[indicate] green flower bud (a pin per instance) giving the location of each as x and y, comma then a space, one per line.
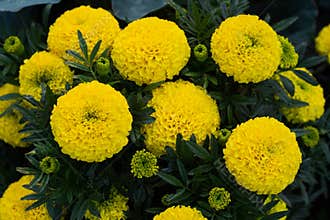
144, 164
49, 165
102, 66
223, 135
219, 198
311, 139
13, 45
289, 58
200, 52
164, 200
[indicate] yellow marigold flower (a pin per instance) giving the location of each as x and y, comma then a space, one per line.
180, 108
112, 209
263, 155
305, 92
94, 24
43, 67
150, 50
311, 139
246, 48
180, 213
91, 122
13, 208
289, 57
144, 164
13, 45
279, 207
219, 198
322, 42
9, 123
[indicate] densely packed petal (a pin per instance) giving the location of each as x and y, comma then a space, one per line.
91, 122
263, 155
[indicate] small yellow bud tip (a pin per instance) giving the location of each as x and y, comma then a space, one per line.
102, 66
13, 45
219, 198
223, 135
312, 138
49, 165
289, 58
144, 164
200, 52
164, 200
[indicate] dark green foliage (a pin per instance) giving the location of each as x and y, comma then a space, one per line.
190, 171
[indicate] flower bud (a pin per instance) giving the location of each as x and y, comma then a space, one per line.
49, 165
200, 52
14, 45
102, 66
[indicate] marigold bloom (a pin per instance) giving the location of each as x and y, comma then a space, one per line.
43, 67
246, 48
150, 50
13, 208
263, 155
180, 213
112, 209
144, 164
289, 58
322, 42
279, 207
219, 198
94, 24
305, 92
180, 108
311, 139
9, 123
91, 122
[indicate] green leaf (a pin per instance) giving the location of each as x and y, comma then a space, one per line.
170, 179
180, 196
16, 5
10, 96
288, 85
75, 55
270, 205
131, 9
79, 209
77, 66
201, 169
152, 86
306, 76
34, 196
312, 61
37, 204
182, 171
84, 78
26, 170
199, 151
82, 44
284, 24
325, 148
94, 51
